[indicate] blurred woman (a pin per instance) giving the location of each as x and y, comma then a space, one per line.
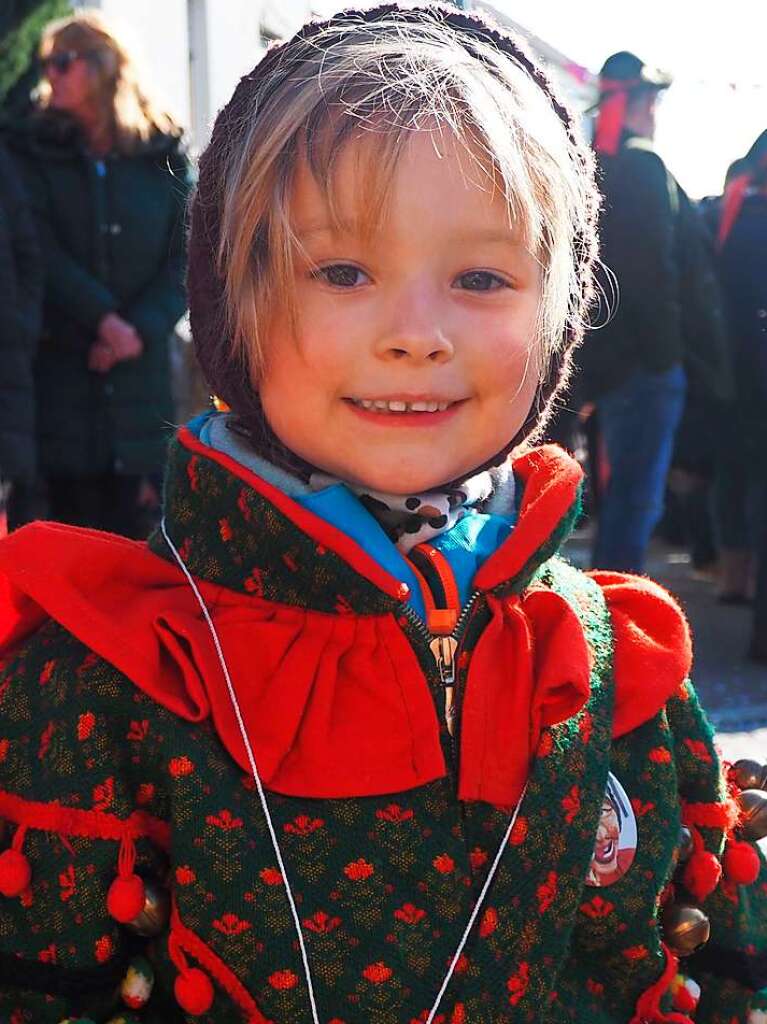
21, 284
108, 179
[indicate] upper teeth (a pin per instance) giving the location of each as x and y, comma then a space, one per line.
396, 406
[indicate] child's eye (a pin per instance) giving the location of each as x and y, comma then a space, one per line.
481, 281
341, 275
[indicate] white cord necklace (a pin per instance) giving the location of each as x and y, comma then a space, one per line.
273, 835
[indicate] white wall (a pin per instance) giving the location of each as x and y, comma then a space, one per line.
234, 29
233, 45
159, 30
230, 31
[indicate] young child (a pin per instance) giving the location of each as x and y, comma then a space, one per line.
347, 742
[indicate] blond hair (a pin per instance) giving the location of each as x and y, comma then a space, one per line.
125, 111
393, 78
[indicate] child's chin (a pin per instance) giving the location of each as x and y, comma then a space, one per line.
402, 482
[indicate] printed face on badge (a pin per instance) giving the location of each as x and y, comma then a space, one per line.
616, 839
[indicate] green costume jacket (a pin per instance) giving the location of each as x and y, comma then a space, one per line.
120, 758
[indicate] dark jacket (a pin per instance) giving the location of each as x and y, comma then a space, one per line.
743, 262
21, 285
666, 309
743, 266
112, 232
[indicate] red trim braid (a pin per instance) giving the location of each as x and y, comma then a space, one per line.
722, 815
648, 1009
71, 821
191, 943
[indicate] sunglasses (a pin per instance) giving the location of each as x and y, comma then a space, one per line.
61, 62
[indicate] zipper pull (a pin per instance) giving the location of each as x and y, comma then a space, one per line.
443, 648
441, 623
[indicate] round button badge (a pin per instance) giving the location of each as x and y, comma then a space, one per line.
616, 842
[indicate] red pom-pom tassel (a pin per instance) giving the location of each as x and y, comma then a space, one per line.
741, 863
194, 991
15, 869
702, 874
15, 872
126, 897
684, 1000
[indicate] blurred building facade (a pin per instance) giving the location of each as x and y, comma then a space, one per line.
195, 51
579, 85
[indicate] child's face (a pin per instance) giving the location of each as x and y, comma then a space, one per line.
434, 315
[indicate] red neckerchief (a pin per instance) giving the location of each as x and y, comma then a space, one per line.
337, 706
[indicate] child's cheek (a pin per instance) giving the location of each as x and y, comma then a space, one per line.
512, 363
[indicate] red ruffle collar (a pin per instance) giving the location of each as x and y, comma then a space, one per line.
337, 705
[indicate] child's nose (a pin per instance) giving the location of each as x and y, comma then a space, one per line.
415, 335
418, 349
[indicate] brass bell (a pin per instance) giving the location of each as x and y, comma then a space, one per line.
155, 914
749, 774
684, 844
685, 928
753, 814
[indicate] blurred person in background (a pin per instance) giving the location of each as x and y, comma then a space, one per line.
632, 368
108, 178
742, 484
689, 518
21, 286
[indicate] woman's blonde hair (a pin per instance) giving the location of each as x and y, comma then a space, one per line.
392, 78
125, 110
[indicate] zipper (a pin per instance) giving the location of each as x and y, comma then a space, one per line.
444, 628
444, 648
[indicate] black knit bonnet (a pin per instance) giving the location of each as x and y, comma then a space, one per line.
228, 377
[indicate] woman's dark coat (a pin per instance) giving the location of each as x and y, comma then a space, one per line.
21, 282
112, 234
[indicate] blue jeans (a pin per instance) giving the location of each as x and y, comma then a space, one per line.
638, 422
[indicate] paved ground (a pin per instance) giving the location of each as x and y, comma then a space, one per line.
733, 690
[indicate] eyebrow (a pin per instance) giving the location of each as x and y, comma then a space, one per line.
491, 236
326, 228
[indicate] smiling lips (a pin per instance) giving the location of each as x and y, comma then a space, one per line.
398, 406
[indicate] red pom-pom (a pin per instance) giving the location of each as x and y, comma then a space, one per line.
126, 897
741, 863
684, 1000
194, 991
702, 874
15, 872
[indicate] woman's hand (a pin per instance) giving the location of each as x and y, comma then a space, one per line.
121, 337
101, 357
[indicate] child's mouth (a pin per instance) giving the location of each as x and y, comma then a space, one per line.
398, 406
401, 412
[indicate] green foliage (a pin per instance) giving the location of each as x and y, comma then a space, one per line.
21, 24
